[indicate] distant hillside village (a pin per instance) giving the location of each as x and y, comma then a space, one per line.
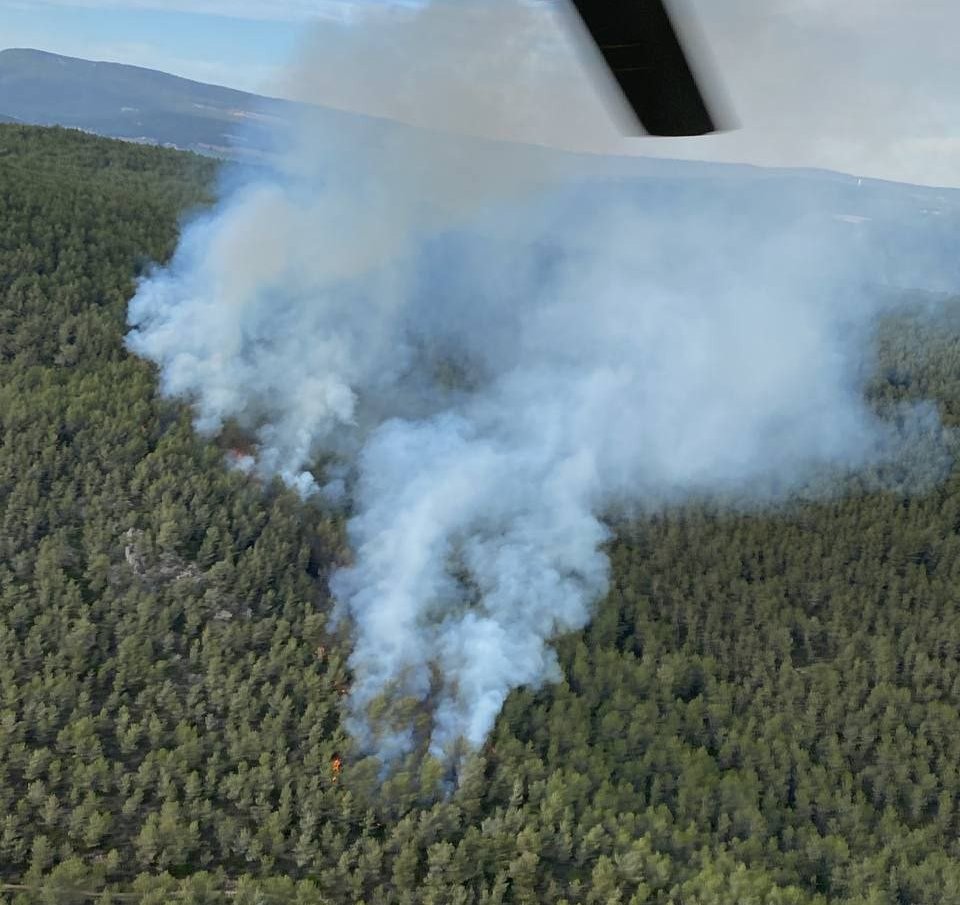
138, 105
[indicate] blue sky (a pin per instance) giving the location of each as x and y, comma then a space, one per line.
240, 44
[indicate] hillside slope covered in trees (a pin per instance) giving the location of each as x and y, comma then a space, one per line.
765, 709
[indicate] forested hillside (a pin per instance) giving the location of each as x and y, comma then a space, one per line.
765, 709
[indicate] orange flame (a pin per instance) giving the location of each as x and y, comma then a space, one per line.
336, 765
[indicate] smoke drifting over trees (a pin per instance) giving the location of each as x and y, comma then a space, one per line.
491, 346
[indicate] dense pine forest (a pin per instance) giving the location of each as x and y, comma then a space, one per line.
765, 709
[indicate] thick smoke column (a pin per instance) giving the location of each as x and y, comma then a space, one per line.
498, 344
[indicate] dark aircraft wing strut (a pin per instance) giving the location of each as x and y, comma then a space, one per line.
642, 50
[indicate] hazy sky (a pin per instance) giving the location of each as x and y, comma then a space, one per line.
866, 86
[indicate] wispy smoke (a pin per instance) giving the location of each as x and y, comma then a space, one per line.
494, 345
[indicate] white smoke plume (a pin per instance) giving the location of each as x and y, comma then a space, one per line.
495, 345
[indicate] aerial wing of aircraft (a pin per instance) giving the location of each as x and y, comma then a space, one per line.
641, 47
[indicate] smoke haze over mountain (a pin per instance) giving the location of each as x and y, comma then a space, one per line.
494, 346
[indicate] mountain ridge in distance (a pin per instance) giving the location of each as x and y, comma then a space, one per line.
118, 100
134, 103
